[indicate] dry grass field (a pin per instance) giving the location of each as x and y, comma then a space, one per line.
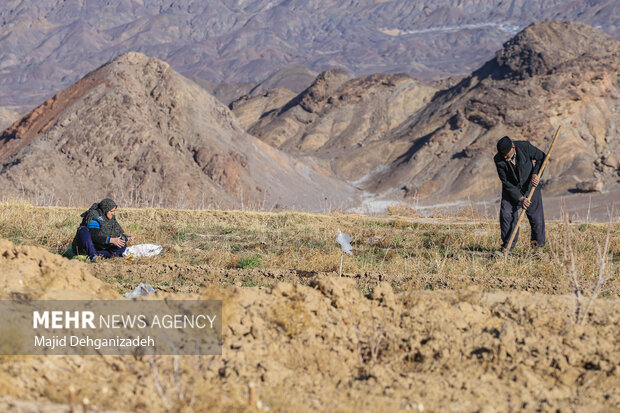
424, 317
251, 249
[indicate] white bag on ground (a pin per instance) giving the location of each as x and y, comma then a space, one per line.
143, 250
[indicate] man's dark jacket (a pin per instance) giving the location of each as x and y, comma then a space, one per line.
516, 181
108, 228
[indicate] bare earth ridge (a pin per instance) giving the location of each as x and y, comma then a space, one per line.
137, 131
438, 350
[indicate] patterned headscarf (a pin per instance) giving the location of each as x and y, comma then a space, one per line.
107, 205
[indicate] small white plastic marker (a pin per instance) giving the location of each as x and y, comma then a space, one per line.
252, 395
345, 243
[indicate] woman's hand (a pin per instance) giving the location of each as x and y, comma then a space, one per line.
117, 242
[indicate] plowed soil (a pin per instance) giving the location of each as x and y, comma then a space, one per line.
316, 342
185, 278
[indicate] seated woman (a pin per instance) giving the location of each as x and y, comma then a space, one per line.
99, 234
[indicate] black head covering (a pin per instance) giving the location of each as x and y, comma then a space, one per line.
107, 205
504, 145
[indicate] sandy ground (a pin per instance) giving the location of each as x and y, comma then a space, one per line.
318, 343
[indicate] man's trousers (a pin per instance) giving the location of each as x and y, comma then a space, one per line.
509, 215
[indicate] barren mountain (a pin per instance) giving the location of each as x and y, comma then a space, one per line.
335, 117
294, 78
138, 131
249, 109
225, 92
7, 117
46, 45
395, 136
550, 74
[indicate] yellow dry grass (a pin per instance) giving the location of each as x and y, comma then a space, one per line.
458, 250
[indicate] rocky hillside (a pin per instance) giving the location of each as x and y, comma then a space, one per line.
550, 74
141, 133
7, 117
336, 118
312, 341
394, 136
294, 78
47, 45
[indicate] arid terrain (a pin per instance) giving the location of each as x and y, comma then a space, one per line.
398, 138
47, 45
424, 317
140, 132
242, 136
137, 131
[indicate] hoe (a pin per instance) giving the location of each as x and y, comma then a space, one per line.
529, 197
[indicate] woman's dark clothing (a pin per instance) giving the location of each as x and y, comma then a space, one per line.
85, 244
93, 235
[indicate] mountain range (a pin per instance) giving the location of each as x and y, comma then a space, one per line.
47, 45
394, 136
135, 128
137, 131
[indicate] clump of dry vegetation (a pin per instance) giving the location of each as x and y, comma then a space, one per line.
567, 259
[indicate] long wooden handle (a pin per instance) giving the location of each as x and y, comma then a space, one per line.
529, 197
544, 165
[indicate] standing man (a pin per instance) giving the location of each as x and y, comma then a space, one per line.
517, 165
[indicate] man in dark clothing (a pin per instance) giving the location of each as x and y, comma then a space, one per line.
99, 234
518, 163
